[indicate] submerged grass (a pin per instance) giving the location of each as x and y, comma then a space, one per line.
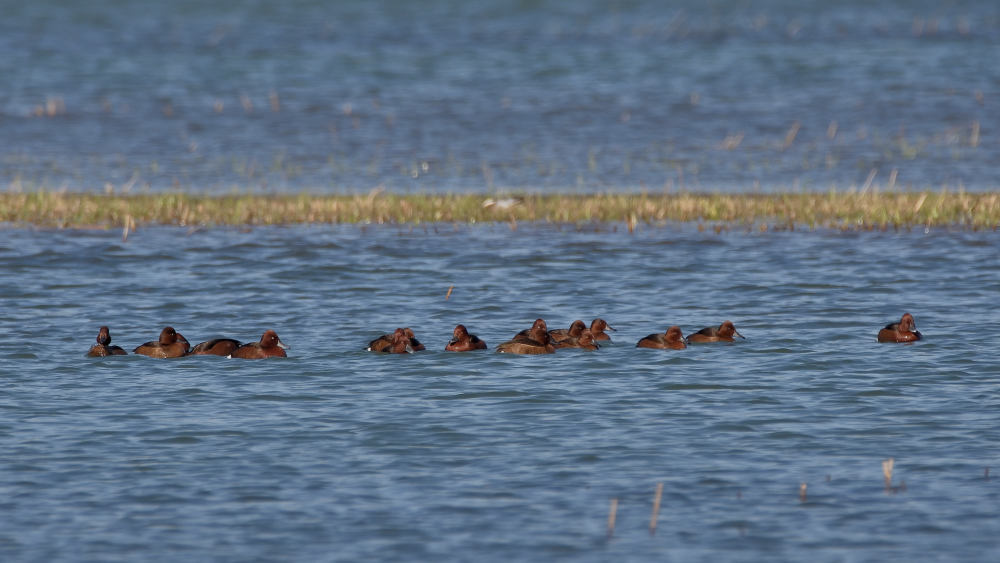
849, 211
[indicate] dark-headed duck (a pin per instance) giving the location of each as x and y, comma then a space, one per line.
462, 341
585, 341
903, 331
170, 345
383, 342
598, 326
104, 347
270, 346
724, 333
217, 347
537, 342
671, 340
575, 330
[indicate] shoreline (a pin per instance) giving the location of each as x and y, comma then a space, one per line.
841, 211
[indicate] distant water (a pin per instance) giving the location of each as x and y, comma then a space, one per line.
339, 454
447, 96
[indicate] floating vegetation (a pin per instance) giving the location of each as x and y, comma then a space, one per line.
843, 211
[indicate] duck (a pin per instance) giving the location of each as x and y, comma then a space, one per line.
538, 342
400, 343
171, 344
538, 324
216, 347
462, 341
382, 342
903, 331
673, 339
575, 330
103, 347
270, 346
724, 333
598, 326
585, 342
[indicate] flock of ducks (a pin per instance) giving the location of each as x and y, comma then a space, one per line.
536, 340
172, 344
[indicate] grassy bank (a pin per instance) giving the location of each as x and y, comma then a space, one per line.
824, 210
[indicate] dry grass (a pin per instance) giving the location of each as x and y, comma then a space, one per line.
849, 211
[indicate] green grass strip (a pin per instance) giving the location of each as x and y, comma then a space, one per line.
849, 211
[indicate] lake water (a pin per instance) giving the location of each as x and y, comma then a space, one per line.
540, 96
339, 454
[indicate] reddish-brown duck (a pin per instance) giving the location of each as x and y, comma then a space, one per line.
724, 333
671, 340
216, 347
104, 347
538, 342
462, 341
575, 330
270, 346
598, 326
585, 341
170, 345
903, 331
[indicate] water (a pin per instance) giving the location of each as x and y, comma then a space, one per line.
339, 454
442, 96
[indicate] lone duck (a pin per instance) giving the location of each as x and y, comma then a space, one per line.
903, 331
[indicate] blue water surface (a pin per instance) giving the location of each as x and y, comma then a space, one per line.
335, 453
440, 96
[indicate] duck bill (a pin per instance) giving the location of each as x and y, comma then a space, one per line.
284, 346
738, 334
612, 329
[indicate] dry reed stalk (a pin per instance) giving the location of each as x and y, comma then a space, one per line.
868, 182
974, 138
656, 508
792, 132
447, 295
802, 492
887, 473
612, 512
